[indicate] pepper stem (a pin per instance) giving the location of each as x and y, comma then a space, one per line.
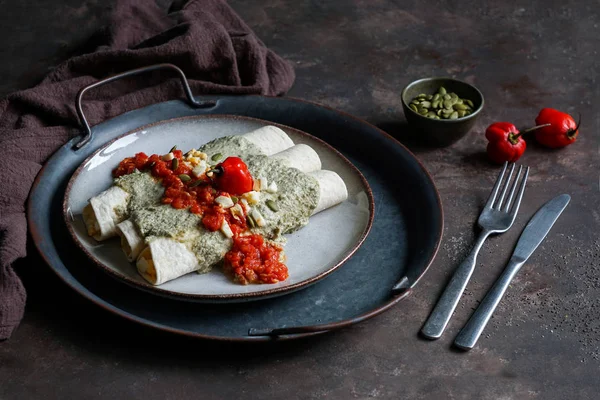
518, 135
216, 170
571, 132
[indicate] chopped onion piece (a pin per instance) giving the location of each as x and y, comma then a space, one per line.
252, 197
226, 229
272, 187
224, 201
258, 218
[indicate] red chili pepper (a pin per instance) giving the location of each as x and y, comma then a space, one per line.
232, 176
506, 142
562, 129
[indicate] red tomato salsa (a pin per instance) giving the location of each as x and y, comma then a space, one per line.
251, 259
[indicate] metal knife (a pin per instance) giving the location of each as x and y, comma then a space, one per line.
533, 234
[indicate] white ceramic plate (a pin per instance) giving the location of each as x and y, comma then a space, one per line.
313, 252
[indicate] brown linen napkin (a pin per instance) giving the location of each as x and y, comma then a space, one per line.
205, 38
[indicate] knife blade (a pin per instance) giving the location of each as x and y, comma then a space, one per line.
534, 233
539, 226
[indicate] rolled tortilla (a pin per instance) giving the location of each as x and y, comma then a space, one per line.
269, 139
300, 156
104, 212
132, 241
165, 259
332, 190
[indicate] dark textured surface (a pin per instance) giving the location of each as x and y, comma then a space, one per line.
544, 340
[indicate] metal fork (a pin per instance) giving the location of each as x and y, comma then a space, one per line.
496, 217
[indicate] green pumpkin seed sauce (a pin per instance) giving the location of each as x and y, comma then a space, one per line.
143, 188
164, 220
296, 197
209, 248
219, 149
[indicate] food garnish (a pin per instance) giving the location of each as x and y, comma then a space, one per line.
232, 176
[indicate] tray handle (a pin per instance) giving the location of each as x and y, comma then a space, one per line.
184, 82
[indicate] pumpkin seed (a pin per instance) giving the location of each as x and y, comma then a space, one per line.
196, 183
175, 164
234, 199
272, 205
217, 157
250, 221
173, 149
185, 178
441, 105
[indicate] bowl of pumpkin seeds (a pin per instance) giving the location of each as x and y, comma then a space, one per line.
441, 110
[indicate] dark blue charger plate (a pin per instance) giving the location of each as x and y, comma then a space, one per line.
404, 239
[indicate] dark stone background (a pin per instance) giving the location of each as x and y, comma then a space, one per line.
543, 342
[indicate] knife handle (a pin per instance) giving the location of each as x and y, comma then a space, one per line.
469, 334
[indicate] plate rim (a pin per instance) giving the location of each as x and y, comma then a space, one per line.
57, 265
220, 298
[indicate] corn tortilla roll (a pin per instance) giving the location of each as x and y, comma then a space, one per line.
269, 139
301, 157
132, 241
104, 212
165, 259
332, 189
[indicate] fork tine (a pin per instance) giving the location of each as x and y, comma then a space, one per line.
506, 185
492, 197
517, 203
510, 198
